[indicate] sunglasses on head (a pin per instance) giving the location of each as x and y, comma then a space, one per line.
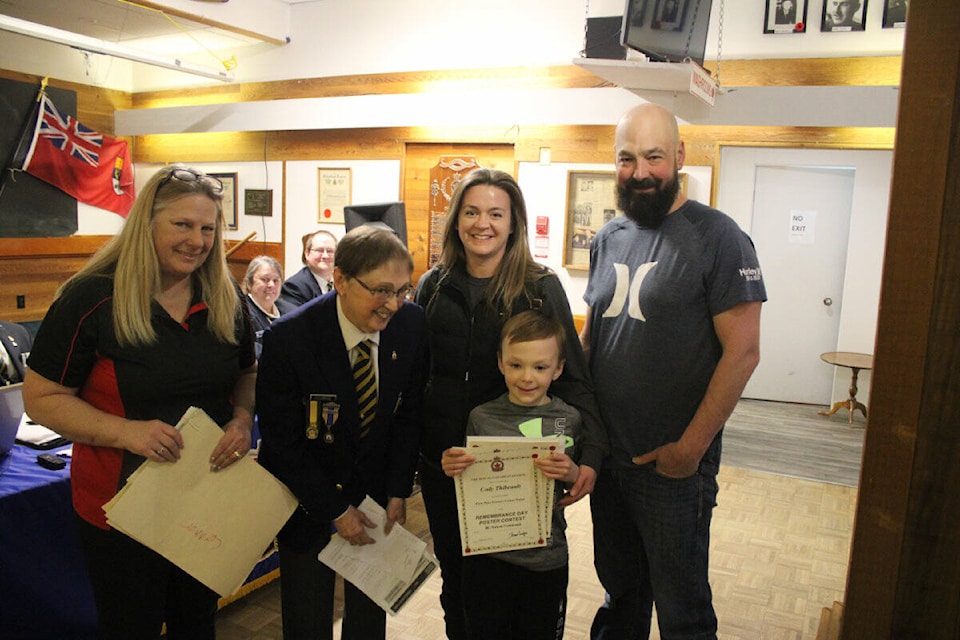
191, 175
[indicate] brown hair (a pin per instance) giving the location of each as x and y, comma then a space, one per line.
528, 326
366, 247
517, 267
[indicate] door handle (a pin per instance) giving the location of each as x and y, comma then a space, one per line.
827, 301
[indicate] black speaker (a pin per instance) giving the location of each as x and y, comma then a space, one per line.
603, 38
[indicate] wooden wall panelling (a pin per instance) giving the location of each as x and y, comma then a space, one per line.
866, 71
419, 158
35, 268
241, 257
561, 77
903, 579
95, 105
576, 143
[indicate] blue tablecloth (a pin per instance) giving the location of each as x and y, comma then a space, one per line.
44, 589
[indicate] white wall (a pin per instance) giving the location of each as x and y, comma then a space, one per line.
372, 181
344, 37
866, 240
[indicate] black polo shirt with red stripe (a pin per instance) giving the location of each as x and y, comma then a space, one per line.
76, 347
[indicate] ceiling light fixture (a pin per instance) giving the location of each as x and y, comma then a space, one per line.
94, 45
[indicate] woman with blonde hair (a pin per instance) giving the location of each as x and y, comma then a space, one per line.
484, 276
152, 325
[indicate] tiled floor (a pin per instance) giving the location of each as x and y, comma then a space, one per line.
779, 551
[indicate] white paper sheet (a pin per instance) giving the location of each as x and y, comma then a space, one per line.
388, 571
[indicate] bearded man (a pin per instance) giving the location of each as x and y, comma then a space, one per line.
672, 334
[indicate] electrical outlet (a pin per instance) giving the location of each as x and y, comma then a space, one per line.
21, 301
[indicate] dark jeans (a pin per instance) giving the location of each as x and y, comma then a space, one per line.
306, 600
651, 545
440, 500
509, 602
136, 590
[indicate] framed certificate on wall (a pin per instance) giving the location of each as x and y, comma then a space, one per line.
333, 194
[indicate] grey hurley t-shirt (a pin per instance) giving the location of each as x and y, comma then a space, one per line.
653, 294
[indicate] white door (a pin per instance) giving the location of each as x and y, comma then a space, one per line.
800, 225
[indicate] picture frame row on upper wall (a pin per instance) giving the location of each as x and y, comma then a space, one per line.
790, 16
591, 203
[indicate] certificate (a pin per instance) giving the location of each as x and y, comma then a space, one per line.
503, 501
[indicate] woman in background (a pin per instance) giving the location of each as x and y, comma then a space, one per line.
484, 276
152, 325
262, 284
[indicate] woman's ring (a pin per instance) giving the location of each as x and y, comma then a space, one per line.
236, 454
160, 451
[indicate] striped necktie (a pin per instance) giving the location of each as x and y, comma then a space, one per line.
366, 383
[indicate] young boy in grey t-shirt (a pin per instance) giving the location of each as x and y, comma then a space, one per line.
523, 593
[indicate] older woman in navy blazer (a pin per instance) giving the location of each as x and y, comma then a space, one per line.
310, 423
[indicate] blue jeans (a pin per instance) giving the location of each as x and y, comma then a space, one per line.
651, 545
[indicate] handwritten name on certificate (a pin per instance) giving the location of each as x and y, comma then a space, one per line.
503, 501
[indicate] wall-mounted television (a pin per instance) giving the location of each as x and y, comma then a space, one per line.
667, 30
386, 215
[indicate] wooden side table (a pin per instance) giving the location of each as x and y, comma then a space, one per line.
855, 362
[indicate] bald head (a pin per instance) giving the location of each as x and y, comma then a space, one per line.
649, 157
650, 121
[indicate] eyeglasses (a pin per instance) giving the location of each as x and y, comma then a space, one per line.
322, 250
191, 175
383, 294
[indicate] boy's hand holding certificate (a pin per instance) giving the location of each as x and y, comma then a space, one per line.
503, 500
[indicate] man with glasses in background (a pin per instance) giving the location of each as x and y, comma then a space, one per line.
316, 277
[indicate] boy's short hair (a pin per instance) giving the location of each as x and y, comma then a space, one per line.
528, 326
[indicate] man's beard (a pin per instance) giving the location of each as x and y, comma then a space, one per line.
648, 209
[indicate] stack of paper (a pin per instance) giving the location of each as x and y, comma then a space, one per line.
38, 436
388, 571
212, 524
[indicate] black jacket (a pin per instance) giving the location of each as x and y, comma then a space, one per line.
304, 354
463, 361
300, 288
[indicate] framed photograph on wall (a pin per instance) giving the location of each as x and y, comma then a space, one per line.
668, 15
895, 14
638, 13
334, 193
591, 203
229, 181
785, 16
258, 202
843, 15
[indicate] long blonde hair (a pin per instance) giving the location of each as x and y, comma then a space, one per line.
130, 259
517, 267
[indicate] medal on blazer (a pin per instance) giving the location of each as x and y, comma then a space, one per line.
322, 407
